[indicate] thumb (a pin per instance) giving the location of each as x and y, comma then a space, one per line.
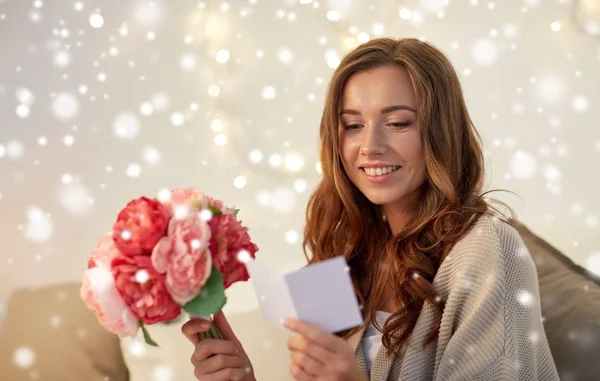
224, 327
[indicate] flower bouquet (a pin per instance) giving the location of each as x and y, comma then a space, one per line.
179, 251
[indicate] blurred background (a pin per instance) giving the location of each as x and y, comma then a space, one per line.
104, 101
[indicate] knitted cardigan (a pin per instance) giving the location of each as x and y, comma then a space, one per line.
491, 326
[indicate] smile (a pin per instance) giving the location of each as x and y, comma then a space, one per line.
380, 171
380, 175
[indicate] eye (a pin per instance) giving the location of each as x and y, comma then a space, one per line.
399, 125
352, 126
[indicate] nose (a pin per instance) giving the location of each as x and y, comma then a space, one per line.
374, 142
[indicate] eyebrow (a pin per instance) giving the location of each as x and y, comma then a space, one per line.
384, 110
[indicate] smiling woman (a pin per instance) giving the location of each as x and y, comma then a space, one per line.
438, 271
449, 291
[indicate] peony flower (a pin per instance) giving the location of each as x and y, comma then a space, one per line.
229, 237
104, 252
140, 225
184, 256
100, 294
186, 197
143, 289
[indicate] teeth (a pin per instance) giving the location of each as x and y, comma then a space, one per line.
379, 171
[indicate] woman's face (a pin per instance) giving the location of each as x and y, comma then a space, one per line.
380, 142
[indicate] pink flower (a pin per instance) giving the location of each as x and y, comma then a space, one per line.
183, 255
229, 237
140, 225
100, 294
184, 197
207, 200
143, 289
104, 253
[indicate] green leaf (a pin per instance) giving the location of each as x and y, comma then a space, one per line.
215, 211
235, 212
211, 298
147, 337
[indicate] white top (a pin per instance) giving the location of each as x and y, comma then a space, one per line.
371, 340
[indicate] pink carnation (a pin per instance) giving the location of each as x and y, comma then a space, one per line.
100, 294
183, 255
229, 237
143, 289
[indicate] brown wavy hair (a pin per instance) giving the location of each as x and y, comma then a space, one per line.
340, 220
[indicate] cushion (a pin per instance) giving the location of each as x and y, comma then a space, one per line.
570, 298
49, 334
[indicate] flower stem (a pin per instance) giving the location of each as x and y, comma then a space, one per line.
217, 334
212, 333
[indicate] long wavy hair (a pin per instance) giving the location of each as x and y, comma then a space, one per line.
340, 220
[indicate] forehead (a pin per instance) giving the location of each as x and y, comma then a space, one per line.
379, 87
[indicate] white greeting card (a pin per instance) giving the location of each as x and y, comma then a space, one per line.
321, 294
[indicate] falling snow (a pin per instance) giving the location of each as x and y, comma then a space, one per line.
65, 106
484, 52
525, 298
523, 165
24, 357
100, 105
269, 92
162, 373
126, 126
592, 263
75, 198
39, 226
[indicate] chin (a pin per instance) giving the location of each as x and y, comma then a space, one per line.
381, 199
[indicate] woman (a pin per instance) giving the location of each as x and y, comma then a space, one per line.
449, 292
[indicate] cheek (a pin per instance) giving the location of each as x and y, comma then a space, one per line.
347, 151
412, 152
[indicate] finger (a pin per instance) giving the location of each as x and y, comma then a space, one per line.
229, 374
298, 343
217, 363
308, 364
193, 327
208, 347
224, 327
313, 333
299, 374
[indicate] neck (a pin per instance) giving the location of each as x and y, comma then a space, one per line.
397, 218
398, 214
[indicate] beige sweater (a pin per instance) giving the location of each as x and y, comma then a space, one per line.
491, 326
